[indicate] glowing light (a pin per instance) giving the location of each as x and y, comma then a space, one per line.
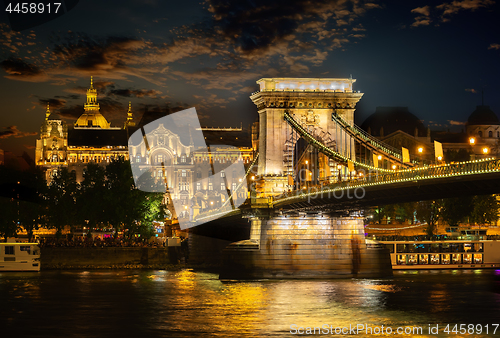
485, 150
420, 150
307, 161
440, 158
472, 140
253, 178
393, 167
379, 157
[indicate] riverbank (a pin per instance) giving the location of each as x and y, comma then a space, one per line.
62, 258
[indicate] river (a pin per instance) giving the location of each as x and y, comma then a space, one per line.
139, 303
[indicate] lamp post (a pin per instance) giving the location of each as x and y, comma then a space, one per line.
472, 142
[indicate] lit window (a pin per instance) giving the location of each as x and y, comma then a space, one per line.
198, 186
183, 159
138, 158
233, 186
222, 174
210, 186
183, 173
222, 186
159, 173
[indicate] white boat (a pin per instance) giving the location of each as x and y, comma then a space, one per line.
444, 254
19, 256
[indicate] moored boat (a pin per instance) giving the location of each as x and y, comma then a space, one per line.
444, 254
19, 256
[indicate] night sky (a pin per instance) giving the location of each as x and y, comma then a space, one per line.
167, 55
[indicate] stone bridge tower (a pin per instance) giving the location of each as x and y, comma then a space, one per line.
310, 102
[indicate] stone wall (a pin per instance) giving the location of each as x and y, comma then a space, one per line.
310, 246
108, 257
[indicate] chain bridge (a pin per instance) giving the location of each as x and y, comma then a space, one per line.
315, 171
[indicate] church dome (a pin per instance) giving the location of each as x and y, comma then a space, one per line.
93, 120
387, 120
483, 115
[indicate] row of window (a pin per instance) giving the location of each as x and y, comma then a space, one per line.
490, 133
439, 259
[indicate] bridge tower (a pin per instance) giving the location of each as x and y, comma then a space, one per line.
311, 102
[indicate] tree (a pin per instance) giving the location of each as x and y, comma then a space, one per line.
61, 200
428, 211
456, 210
129, 208
91, 199
485, 209
9, 217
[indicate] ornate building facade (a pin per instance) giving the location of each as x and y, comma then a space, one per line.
92, 139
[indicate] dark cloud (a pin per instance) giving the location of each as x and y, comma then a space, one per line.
12, 131
71, 113
68, 97
96, 55
18, 69
54, 103
135, 92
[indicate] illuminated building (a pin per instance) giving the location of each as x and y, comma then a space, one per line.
92, 139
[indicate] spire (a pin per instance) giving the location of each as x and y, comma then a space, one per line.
130, 116
91, 94
47, 112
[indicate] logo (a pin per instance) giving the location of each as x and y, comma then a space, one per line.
202, 182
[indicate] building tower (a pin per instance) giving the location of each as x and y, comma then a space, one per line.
92, 118
130, 116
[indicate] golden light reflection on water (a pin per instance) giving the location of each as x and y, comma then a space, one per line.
260, 308
188, 303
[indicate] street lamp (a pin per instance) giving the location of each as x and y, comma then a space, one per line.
485, 150
420, 150
472, 141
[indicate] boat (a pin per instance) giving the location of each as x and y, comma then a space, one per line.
464, 249
19, 256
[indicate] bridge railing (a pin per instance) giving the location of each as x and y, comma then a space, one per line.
324, 149
421, 173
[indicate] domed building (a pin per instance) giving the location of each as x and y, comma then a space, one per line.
398, 127
483, 123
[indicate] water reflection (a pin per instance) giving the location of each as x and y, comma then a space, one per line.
186, 303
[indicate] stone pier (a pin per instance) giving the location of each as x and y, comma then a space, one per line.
305, 246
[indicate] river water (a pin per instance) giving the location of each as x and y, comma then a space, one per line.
138, 303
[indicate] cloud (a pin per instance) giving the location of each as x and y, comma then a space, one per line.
54, 103
494, 46
444, 11
457, 6
456, 123
20, 70
472, 90
135, 93
12, 131
421, 21
422, 10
